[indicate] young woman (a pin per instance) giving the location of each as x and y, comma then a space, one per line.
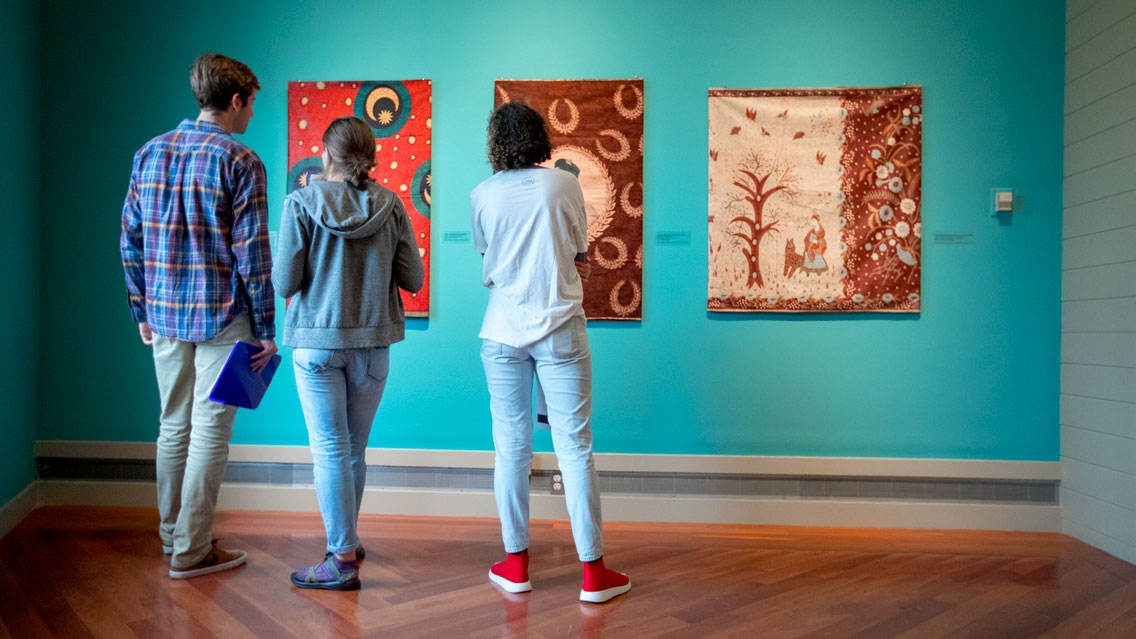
346, 248
529, 224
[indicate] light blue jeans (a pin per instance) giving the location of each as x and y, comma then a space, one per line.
563, 363
340, 391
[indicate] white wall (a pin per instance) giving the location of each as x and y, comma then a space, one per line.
1098, 344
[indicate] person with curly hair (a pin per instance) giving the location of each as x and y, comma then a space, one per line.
530, 226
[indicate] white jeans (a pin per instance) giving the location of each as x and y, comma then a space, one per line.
563, 363
193, 439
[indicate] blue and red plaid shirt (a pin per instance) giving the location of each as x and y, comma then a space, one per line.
195, 235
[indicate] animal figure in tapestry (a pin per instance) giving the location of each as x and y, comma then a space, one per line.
793, 259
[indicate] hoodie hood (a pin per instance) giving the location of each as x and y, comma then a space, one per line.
345, 210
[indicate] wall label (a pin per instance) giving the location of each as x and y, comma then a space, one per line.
673, 238
953, 238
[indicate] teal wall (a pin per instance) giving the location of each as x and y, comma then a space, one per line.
19, 246
975, 376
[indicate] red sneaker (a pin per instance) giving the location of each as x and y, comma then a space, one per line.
513, 573
601, 584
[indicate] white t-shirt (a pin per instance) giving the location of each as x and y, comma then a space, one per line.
529, 224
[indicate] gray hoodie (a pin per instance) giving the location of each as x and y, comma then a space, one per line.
343, 254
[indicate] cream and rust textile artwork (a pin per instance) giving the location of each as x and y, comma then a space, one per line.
596, 129
814, 201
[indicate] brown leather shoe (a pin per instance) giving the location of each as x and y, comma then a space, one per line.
217, 560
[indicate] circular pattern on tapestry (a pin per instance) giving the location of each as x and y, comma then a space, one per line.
629, 113
385, 106
563, 126
420, 189
612, 263
304, 172
595, 182
621, 309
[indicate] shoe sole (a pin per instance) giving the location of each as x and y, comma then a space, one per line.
207, 570
327, 585
601, 596
510, 586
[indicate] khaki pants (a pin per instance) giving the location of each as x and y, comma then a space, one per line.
193, 440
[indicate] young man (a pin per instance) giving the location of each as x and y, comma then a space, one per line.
529, 224
198, 273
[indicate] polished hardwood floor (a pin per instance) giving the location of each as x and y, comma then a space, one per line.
99, 572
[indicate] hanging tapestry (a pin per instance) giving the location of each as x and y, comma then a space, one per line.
814, 200
399, 114
596, 129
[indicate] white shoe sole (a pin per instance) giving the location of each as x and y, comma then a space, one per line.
510, 586
601, 596
232, 563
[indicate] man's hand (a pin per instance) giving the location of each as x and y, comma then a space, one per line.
144, 332
585, 271
260, 360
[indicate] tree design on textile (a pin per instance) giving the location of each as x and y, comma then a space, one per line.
776, 176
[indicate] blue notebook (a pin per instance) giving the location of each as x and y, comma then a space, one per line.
237, 384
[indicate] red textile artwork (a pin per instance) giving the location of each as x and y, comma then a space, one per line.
596, 128
815, 200
399, 112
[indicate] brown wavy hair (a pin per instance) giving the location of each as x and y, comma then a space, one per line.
518, 137
215, 78
351, 145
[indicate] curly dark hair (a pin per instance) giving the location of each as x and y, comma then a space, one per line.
518, 137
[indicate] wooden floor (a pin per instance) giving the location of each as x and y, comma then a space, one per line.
99, 572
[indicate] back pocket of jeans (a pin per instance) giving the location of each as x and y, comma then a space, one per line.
312, 360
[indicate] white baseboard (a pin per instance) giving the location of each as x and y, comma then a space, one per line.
13, 512
455, 503
978, 469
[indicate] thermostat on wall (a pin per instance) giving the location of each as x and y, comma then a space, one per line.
1003, 201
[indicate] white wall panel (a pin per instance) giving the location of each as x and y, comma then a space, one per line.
1107, 146
1092, 118
1087, 25
1098, 249
1109, 179
1099, 282
1114, 41
1116, 417
1112, 76
1102, 349
1101, 382
1106, 214
1105, 455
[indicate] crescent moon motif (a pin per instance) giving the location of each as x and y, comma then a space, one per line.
625, 200
573, 119
621, 254
623, 310
379, 94
624, 151
633, 112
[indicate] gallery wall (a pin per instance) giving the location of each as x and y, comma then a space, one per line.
19, 247
974, 376
1098, 353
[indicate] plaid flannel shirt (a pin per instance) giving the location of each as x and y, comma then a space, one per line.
195, 235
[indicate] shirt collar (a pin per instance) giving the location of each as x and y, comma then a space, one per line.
204, 126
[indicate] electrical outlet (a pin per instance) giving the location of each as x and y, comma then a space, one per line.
556, 483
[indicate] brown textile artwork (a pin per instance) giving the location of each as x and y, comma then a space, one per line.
815, 201
596, 127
